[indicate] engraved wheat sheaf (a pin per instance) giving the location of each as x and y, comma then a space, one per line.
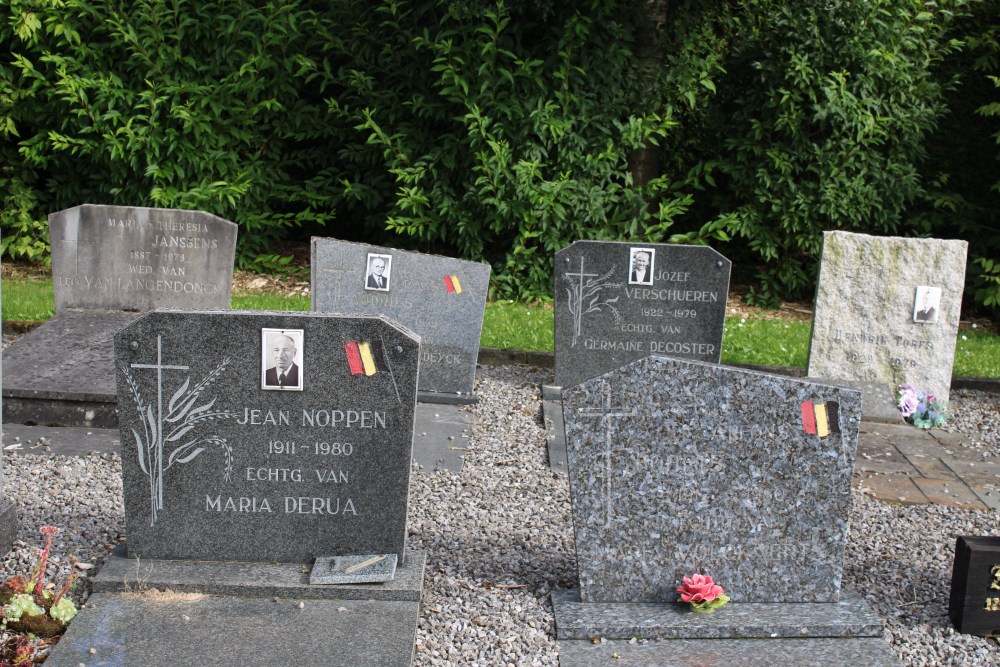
171, 438
585, 297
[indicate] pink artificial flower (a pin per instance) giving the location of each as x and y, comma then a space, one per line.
699, 588
908, 404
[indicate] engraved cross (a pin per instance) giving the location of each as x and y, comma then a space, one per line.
606, 412
579, 306
159, 376
74, 251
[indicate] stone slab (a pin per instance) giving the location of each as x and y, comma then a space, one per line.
711, 471
988, 497
8, 524
134, 258
869, 652
930, 467
880, 456
219, 462
975, 472
850, 617
441, 436
420, 294
121, 573
8, 511
374, 569
900, 490
953, 493
605, 317
64, 441
867, 325
555, 434
181, 631
63, 372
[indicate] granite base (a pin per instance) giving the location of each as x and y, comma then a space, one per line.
851, 617
179, 630
832, 634
122, 574
441, 436
159, 613
819, 652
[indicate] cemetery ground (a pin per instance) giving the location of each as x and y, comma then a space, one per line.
498, 532
499, 535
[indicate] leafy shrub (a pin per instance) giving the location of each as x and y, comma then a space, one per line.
823, 121
201, 105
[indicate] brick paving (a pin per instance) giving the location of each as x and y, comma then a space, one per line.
899, 463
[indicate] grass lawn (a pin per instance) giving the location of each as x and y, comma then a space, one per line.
508, 325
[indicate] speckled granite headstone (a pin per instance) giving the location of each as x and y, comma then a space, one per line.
133, 258
608, 312
440, 298
870, 325
678, 467
221, 460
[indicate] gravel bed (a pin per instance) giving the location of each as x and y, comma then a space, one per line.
499, 537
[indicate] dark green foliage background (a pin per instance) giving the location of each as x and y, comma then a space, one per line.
504, 132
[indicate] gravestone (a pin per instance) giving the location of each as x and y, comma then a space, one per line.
608, 314
618, 302
440, 298
679, 467
109, 264
265, 468
871, 329
133, 258
220, 464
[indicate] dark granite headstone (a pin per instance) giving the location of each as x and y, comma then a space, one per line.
678, 467
133, 258
974, 605
221, 460
440, 298
608, 313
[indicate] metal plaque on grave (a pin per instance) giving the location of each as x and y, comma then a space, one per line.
442, 299
134, 258
617, 302
265, 436
679, 467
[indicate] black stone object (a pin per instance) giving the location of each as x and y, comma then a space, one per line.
606, 317
216, 467
974, 606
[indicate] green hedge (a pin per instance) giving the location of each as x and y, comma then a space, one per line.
496, 132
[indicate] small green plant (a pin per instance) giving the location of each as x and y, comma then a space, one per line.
30, 607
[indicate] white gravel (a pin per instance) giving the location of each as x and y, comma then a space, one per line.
499, 537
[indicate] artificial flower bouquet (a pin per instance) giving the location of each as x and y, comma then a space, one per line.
919, 408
